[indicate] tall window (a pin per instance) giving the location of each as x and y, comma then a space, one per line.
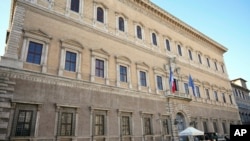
143, 79
179, 50
147, 126
230, 97
208, 63
70, 61
74, 6
34, 53
205, 126
186, 88
224, 127
167, 45
99, 68
199, 57
216, 96
215, 127
190, 54
66, 124
23, 127
207, 93
125, 125
154, 39
197, 88
159, 83
223, 97
99, 125
222, 68
100, 15
215, 65
165, 127
121, 24
123, 74
139, 32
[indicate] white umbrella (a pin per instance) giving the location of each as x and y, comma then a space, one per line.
191, 131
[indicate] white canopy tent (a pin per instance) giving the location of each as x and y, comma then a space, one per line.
191, 131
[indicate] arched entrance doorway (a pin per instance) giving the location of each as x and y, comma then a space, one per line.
181, 125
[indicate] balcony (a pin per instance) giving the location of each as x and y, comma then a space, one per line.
178, 95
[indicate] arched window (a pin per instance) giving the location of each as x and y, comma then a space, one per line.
154, 40
100, 15
121, 24
167, 45
139, 32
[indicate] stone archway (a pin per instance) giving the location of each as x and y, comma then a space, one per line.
181, 125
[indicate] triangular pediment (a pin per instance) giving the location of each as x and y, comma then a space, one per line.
123, 58
100, 51
72, 43
142, 64
38, 32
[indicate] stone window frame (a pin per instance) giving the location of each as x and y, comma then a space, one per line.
190, 54
169, 42
199, 58
70, 12
126, 62
168, 119
179, 47
69, 109
74, 47
142, 31
142, 66
125, 19
99, 54
40, 37
163, 74
105, 13
215, 125
206, 122
30, 106
151, 117
154, 32
100, 111
129, 114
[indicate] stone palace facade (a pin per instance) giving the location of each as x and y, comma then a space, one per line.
94, 70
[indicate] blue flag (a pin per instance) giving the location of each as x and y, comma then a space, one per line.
191, 84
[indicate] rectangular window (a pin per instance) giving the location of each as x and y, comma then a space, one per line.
66, 124
24, 120
70, 61
215, 65
199, 57
197, 88
222, 68
223, 97
165, 126
74, 6
207, 93
186, 88
159, 83
176, 84
216, 96
34, 53
99, 125
208, 63
205, 126
143, 79
190, 54
215, 127
99, 68
147, 126
167, 45
123, 74
179, 50
230, 97
224, 127
125, 125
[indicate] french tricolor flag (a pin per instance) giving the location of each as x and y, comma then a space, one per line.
171, 81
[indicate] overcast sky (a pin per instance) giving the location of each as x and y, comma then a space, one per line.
225, 21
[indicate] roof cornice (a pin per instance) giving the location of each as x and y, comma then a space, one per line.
164, 15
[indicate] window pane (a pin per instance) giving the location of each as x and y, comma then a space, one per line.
99, 68
123, 74
147, 126
74, 5
70, 61
125, 125
154, 39
99, 125
190, 55
66, 124
159, 83
34, 53
143, 78
100, 15
167, 45
121, 24
179, 50
139, 32
24, 123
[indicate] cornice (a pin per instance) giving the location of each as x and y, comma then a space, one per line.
176, 24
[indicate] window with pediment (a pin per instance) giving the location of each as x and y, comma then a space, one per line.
35, 48
123, 71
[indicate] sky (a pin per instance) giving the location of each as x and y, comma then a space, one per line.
225, 21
